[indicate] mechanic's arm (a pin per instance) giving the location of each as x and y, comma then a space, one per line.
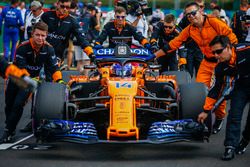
218, 82
155, 34
81, 38
223, 29
98, 22
104, 34
52, 66
135, 23
20, 60
182, 52
174, 44
6, 70
20, 19
138, 36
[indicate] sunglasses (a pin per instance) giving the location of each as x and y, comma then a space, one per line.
193, 13
218, 51
64, 7
169, 27
120, 17
35, 10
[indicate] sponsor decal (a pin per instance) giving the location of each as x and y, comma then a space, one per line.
111, 51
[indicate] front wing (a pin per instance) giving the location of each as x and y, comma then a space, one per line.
86, 133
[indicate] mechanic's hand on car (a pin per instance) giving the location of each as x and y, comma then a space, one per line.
154, 47
202, 117
98, 46
62, 82
92, 57
148, 46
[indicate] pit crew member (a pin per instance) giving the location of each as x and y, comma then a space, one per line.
163, 32
61, 25
202, 29
12, 23
31, 55
120, 28
233, 61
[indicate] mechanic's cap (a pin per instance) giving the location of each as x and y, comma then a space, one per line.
36, 4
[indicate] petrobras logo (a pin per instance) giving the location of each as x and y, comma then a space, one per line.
111, 51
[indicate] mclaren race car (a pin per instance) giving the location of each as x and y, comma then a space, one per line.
123, 99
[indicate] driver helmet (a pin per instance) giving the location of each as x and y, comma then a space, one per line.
117, 70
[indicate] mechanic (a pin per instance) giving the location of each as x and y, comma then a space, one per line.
7, 69
31, 55
237, 22
120, 28
194, 53
232, 61
61, 25
12, 23
202, 30
163, 32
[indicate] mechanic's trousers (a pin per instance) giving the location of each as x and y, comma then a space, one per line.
240, 98
15, 99
194, 58
11, 33
205, 73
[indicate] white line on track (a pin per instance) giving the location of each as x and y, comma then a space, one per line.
8, 145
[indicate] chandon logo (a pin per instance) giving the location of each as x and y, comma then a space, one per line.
111, 51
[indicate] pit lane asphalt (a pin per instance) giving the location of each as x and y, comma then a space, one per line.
28, 153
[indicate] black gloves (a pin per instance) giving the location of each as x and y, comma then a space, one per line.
92, 57
154, 47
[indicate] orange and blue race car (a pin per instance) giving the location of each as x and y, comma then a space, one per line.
123, 99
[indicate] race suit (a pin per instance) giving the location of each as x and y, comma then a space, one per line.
110, 30
12, 22
169, 62
237, 67
27, 57
194, 54
211, 28
60, 30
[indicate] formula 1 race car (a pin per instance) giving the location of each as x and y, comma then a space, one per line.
122, 99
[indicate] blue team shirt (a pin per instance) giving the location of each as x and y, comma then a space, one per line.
11, 17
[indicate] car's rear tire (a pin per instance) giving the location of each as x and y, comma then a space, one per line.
182, 77
192, 99
49, 103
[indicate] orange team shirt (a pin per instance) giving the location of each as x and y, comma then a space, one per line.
211, 28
